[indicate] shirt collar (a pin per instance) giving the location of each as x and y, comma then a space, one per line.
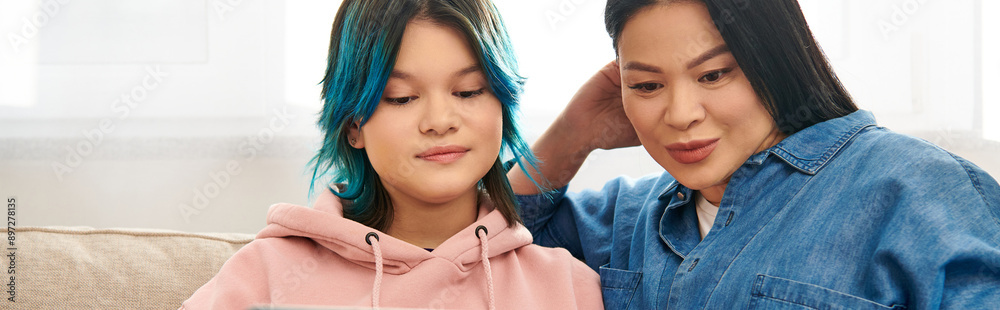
670, 193
811, 148
807, 150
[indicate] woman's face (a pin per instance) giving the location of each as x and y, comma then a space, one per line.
437, 130
692, 108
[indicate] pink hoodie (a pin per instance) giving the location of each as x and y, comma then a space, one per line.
317, 257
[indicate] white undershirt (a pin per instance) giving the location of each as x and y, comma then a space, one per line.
706, 214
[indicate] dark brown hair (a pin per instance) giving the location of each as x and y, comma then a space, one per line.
774, 47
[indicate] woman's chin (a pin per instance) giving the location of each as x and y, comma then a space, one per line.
696, 181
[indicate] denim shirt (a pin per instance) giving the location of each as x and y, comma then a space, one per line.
841, 215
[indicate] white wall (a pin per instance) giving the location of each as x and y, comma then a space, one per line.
125, 114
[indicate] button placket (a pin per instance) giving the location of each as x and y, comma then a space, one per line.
694, 263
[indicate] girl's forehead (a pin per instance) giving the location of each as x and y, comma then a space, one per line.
432, 51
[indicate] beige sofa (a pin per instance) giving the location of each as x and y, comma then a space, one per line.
86, 268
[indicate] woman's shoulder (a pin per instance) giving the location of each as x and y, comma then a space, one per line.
907, 154
918, 168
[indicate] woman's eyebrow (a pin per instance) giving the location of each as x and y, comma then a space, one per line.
638, 66
715, 51
712, 53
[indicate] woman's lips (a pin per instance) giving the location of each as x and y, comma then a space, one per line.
692, 152
443, 154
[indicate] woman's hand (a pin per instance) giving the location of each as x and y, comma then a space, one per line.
593, 119
596, 113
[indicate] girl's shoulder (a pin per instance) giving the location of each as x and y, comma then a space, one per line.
275, 252
552, 260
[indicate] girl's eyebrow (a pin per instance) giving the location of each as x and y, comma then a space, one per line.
397, 74
470, 69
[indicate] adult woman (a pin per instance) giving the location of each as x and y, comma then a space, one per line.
779, 193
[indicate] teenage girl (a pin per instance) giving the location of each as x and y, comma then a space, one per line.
420, 97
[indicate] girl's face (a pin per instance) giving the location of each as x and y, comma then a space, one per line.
437, 130
692, 108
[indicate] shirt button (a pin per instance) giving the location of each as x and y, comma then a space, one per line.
680, 195
694, 263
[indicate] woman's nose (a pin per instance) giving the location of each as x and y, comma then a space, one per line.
684, 108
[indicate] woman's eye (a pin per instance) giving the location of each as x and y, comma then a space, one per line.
713, 76
469, 93
400, 100
646, 87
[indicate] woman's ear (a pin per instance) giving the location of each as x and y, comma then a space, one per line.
355, 137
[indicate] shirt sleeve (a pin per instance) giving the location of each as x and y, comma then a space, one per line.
584, 223
947, 239
972, 274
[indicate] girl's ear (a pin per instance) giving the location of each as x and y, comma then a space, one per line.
355, 137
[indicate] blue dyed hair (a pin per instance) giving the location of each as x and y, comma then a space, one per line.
363, 46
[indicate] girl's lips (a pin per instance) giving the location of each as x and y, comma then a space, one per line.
692, 152
443, 154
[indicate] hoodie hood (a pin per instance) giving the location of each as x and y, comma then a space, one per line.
314, 256
326, 225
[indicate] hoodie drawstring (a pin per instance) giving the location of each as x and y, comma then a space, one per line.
483, 244
377, 286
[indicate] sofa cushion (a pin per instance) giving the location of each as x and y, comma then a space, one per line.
86, 268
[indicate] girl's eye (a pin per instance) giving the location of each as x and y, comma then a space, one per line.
713, 76
646, 87
469, 93
400, 100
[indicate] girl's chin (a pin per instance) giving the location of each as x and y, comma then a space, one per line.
444, 195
